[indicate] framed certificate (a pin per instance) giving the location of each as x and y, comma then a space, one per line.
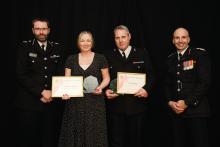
73, 86
130, 83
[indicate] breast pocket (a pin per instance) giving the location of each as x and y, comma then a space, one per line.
139, 65
32, 57
33, 60
54, 58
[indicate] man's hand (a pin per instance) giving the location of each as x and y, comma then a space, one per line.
141, 93
46, 96
176, 106
110, 94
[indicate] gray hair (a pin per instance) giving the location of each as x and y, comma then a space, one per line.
121, 27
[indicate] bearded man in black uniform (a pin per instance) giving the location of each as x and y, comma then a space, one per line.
187, 84
37, 115
126, 113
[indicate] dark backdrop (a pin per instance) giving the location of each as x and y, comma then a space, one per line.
151, 23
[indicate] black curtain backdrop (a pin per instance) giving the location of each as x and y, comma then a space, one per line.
151, 23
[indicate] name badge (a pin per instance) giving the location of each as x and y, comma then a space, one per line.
54, 56
33, 55
138, 62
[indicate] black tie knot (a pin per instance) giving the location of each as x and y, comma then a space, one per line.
180, 56
123, 55
42, 46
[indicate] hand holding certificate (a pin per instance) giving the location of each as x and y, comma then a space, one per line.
130, 83
72, 86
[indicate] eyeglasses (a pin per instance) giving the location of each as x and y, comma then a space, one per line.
41, 29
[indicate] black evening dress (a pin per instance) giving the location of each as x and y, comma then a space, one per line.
84, 119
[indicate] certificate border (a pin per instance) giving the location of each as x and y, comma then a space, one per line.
66, 77
129, 73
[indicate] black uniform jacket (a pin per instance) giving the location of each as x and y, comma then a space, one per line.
138, 61
34, 69
189, 79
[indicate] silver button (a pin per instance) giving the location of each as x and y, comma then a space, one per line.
178, 65
45, 85
177, 73
178, 81
45, 58
45, 67
45, 76
178, 89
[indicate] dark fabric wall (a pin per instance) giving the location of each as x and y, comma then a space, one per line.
151, 23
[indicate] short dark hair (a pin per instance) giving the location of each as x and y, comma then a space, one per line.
40, 19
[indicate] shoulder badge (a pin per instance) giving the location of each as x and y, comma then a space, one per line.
53, 43
26, 41
201, 49
170, 55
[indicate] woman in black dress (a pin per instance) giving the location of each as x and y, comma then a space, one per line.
84, 120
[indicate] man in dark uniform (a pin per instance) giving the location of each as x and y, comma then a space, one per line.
126, 113
38, 116
187, 85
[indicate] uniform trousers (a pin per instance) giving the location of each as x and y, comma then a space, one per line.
190, 132
37, 128
126, 130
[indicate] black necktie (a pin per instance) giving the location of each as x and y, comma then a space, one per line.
180, 56
123, 56
42, 46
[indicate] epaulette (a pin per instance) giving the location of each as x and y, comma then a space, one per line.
26, 41
52, 43
170, 55
201, 49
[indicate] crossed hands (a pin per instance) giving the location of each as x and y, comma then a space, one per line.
177, 106
46, 96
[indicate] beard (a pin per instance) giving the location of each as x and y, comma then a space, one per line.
41, 37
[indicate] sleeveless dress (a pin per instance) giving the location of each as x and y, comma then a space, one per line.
84, 119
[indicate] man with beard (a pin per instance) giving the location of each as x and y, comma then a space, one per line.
38, 116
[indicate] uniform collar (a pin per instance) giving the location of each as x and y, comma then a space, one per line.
126, 51
45, 44
182, 52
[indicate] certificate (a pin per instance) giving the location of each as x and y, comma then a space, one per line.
72, 86
130, 83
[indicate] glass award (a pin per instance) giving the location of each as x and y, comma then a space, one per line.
90, 83
113, 85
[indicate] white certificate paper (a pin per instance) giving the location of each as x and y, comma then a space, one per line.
73, 86
130, 83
